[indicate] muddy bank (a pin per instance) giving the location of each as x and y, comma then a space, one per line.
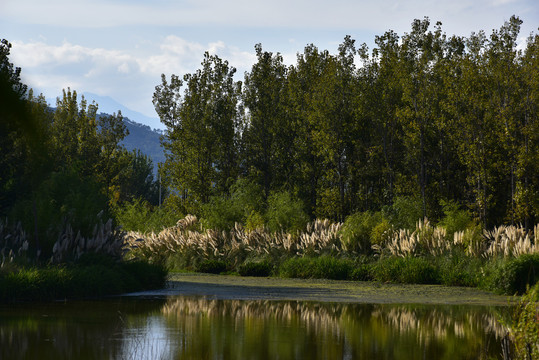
249, 288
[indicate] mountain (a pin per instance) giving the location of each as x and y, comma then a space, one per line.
108, 105
141, 136
144, 138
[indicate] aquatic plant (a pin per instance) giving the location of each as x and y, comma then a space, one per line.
13, 242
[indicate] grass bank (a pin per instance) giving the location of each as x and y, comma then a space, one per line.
93, 276
76, 266
504, 260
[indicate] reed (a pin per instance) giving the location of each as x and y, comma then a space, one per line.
106, 239
323, 237
188, 239
13, 242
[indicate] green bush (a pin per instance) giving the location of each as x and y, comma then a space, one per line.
459, 269
254, 221
259, 269
285, 213
87, 279
362, 272
64, 197
455, 219
408, 270
324, 267
357, 230
102, 279
222, 212
142, 275
513, 276
405, 212
139, 215
211, 266
525, 326
248, 195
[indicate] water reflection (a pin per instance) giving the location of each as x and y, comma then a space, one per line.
201, 328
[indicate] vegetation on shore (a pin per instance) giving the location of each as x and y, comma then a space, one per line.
63, 175
505, 260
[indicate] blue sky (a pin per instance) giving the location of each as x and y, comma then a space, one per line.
119, 48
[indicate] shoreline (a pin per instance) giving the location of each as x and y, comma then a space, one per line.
227, 287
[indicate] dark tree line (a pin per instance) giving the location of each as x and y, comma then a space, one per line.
63, 165
423, 115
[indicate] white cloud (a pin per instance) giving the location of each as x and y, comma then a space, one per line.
128, 77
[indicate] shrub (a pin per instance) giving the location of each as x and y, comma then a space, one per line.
221, 213
525, 325
95, 276
324, 267
139, 215
285, 213
362, 272
459, 269
407, 270
248, 195
259, 269
455, 219
254, 221
211, 266
65, 197
513, 276
405, 212
381, 233
357, 231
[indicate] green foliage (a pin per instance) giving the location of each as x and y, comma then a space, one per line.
405, 212
221, 213
95, 276
459, 269
381, 232
242, 205
63, 198
259, 269
323, 267
141, 216
525, 326
454, 218
362, 272
211, 266
202, 129
285, 212
407, 270
514, 275
254, 221
359, 228
134, 179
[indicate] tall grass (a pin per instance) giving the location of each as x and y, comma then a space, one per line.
323, 237
188, 240
78, 267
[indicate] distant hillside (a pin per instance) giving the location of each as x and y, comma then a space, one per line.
108, 105
140, 136
144, 138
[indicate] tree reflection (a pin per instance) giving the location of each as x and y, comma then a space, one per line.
202, 328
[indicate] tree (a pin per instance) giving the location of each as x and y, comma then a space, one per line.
267, 134
201, 136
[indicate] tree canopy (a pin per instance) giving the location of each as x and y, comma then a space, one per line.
424, 115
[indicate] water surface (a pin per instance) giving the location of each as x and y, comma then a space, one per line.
202, 327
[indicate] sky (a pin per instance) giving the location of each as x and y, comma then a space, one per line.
118, 49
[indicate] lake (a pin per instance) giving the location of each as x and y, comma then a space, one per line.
187, 326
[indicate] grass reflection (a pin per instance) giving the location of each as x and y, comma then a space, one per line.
292, 329
204, 328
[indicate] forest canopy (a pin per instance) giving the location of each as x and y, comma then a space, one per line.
422, 120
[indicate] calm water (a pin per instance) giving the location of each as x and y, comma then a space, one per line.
202, 328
